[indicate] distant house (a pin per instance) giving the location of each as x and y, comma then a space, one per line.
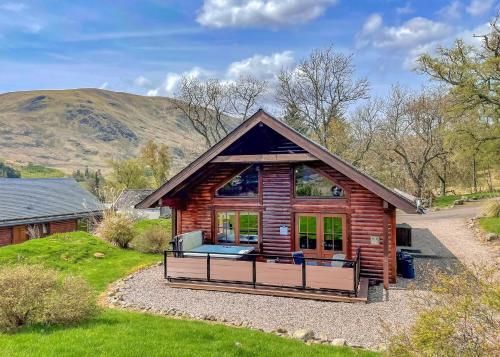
34, 208
129, 198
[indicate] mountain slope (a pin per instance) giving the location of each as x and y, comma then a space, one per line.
70, 129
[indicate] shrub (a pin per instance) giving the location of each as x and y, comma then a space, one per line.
459, 318
492, 209
35, 295
117, 228
152, 240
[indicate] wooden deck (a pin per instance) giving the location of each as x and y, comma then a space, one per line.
289, 280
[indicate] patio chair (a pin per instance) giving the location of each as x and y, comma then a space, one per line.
298, 258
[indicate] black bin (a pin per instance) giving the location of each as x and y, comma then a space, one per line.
403, 235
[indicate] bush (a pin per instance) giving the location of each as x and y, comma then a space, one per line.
492, 209
152, 240
35, 295
117, 228
459, 318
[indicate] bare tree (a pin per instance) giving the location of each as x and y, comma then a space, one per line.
365, 124
209, 104
413, 131
321, 88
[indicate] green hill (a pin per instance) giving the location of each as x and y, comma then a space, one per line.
69, 129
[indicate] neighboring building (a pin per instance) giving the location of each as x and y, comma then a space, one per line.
33, 208
129, 198
268, 186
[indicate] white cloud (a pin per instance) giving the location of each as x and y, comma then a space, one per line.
479, 7
13, 6
260, 13
451, 11
264, 67
142, 81
414, 32
172, 80
407, 9
153, 92
260, 66
104, 85
373, 23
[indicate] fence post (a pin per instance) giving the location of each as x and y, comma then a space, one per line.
254, 271
165, 264
208, 266
303, 273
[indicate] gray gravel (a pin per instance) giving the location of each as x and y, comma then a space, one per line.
358, 324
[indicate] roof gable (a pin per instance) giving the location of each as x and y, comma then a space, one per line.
262, 118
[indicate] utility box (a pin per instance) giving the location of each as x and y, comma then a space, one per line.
403, 235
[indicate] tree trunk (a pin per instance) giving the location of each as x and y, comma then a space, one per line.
442, 186
474, 173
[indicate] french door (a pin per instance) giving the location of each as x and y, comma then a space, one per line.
320, 235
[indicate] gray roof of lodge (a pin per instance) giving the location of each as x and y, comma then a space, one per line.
129, 198
25, 201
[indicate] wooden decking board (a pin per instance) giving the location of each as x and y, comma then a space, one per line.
309, 295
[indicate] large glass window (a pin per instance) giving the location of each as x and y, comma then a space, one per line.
245, 184
237, 227
310, 183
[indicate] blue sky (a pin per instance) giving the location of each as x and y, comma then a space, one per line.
144, 46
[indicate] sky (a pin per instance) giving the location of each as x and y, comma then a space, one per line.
144, 47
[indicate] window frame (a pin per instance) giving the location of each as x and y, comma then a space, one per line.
318, 198
237, 226
256, 196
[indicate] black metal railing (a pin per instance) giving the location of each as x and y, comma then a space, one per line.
354, 264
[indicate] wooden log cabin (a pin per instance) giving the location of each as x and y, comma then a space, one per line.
268, 186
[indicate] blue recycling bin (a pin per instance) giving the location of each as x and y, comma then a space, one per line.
405, 265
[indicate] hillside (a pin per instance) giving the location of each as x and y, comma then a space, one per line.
69, 129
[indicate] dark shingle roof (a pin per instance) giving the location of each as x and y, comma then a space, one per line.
129, 198
24, 201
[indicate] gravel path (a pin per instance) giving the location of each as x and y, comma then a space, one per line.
358, 324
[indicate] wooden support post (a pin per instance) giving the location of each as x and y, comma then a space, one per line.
386, 246
173, 216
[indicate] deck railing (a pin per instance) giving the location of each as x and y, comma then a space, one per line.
251, 269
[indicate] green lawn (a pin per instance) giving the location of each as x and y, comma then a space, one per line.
123, 333
448, 200
145, 224
490, 224
74, 253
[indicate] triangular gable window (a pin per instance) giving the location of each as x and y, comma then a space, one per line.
245, 184
311, 183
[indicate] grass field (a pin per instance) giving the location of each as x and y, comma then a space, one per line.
490, 224
448, 200
145, 224
39, 171
123, 333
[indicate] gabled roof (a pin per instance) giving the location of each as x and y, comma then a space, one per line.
26, 201
129, 198
310, 146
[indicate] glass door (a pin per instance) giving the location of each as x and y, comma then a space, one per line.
320, 235
307, 234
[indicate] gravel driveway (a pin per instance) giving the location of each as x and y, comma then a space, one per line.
358, 324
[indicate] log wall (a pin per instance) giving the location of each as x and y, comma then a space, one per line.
5, 236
